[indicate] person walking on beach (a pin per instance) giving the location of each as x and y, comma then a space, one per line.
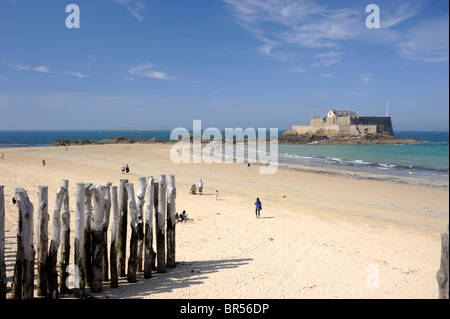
200, 187
217, 194
43, 163
122, 168
3, 156
127, 169
258, 207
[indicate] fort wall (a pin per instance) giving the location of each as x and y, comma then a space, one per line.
349, 124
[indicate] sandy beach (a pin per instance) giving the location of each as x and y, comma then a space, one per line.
331, 236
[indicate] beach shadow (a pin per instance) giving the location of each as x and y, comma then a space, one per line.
266, 217
184, 275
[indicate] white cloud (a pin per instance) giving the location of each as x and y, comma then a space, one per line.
134, 7
78, 74
289, 29
146, 70
25, 67
367, 78
3, 78
327, 59
427, 42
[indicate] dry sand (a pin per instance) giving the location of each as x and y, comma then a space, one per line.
330, 237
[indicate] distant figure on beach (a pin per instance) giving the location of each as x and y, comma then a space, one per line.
43, 163
258, 207
127, 169
248, 165
122, 168
200, 186
217, 194
3, 156
181, 217
193, 189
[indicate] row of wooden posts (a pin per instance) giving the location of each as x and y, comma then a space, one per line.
91, 266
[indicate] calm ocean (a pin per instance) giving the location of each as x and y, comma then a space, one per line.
429, 160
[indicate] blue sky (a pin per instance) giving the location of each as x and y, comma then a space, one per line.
229, 63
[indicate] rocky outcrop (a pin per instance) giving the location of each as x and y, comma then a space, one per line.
336, 138
115, 140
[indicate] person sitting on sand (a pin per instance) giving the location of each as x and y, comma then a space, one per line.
183, 216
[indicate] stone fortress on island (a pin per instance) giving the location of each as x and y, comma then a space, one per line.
347, 122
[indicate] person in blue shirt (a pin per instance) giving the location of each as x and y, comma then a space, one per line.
258, 207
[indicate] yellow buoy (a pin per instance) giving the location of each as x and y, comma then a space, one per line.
410, 173
283, 195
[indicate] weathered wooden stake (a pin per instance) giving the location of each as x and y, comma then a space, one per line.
65, 240
443, 272
97, 238
87, 234
54, 244
148, 236
17, 279
171, 209
26, 210
155, 214
114, 236
42, 237
122, 231
160, 225
79, 283
105, 264
3, 281
132, 260
140, 200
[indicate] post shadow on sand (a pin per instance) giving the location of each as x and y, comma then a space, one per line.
184, 275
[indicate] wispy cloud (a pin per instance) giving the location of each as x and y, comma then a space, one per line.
25, 67
427, 42
146, 70
292, 30
134, 7
41, 68
367, 78
78, 74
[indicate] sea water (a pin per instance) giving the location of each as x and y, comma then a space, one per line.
428, 160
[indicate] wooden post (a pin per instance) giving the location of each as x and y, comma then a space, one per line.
26, 210
65, 240
54, 244
148, 256
122, 231
42, 237
3, 281
105, 264
155, 214
17, 279
114, 236
87, 234
79, 241
442, 274
132, 261
160, 225
171, 209
97, 238
140, 200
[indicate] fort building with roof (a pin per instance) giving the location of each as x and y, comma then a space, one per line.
347, 122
